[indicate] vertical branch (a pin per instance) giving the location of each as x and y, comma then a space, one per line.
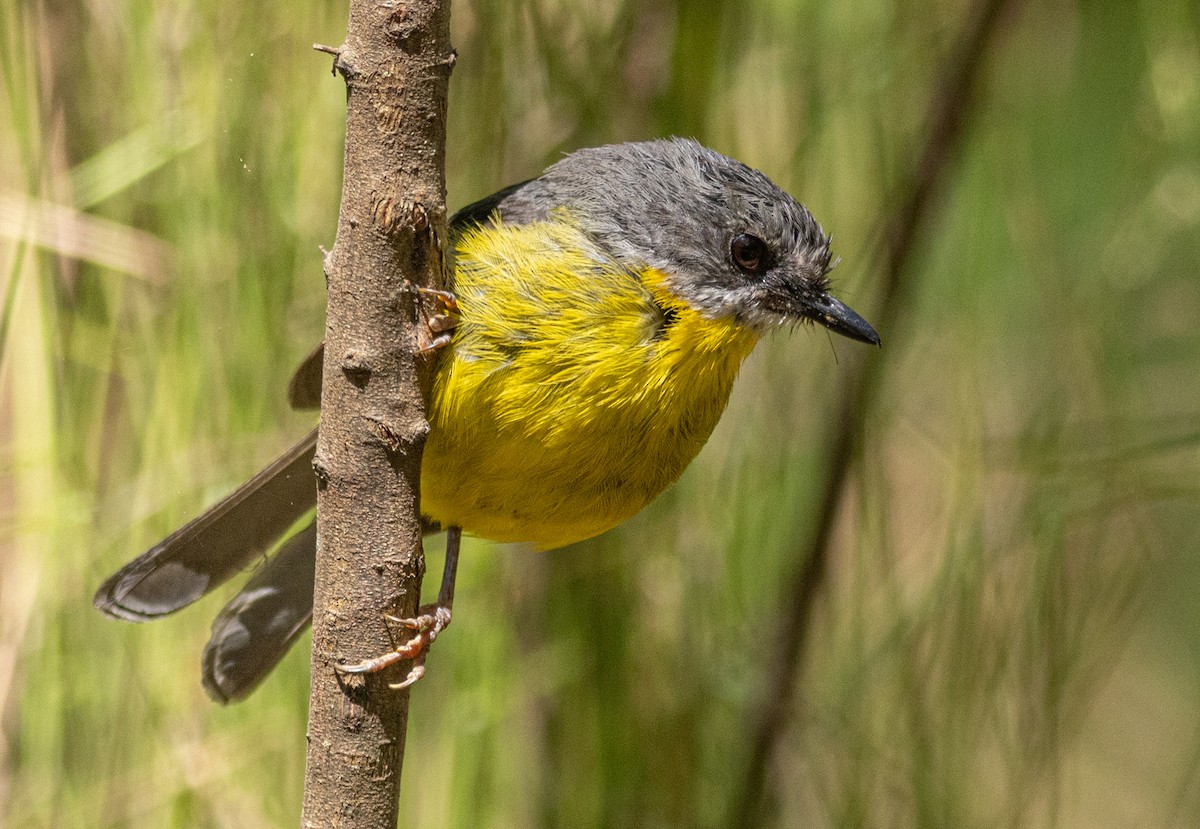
952, 105
396, 62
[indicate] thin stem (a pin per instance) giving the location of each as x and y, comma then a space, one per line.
952, 105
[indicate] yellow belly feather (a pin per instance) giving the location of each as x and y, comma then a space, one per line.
573, 391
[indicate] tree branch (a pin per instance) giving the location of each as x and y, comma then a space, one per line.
392, 227
952, 105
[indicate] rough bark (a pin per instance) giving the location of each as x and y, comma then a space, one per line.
396, 63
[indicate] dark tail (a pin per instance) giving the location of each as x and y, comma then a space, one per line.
258, 626
221, 543
254, 631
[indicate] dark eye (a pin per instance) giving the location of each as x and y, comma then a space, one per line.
749, 253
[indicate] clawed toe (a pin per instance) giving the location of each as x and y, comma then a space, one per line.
431, 619
426, 625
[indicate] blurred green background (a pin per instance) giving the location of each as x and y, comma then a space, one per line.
1010, 633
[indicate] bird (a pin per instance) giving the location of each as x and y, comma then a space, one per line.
600, 314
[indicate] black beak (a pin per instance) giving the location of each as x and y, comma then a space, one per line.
835, 316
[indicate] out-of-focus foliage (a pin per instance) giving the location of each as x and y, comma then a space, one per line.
1010, 634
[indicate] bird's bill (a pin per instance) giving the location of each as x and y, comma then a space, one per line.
838, 318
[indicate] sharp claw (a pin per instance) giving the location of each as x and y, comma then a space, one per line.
432, 345
427, 624
369, 666
435, 328
431, 619
444, 298
417, 671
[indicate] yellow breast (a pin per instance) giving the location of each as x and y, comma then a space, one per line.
574, 390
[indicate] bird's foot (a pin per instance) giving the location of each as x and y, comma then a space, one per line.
435, 327
430, 620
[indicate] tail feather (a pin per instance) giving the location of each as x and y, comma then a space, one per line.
216, 546
258, 626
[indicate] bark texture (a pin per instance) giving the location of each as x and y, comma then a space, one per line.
396, 62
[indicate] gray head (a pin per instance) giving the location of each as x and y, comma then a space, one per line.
731, 243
